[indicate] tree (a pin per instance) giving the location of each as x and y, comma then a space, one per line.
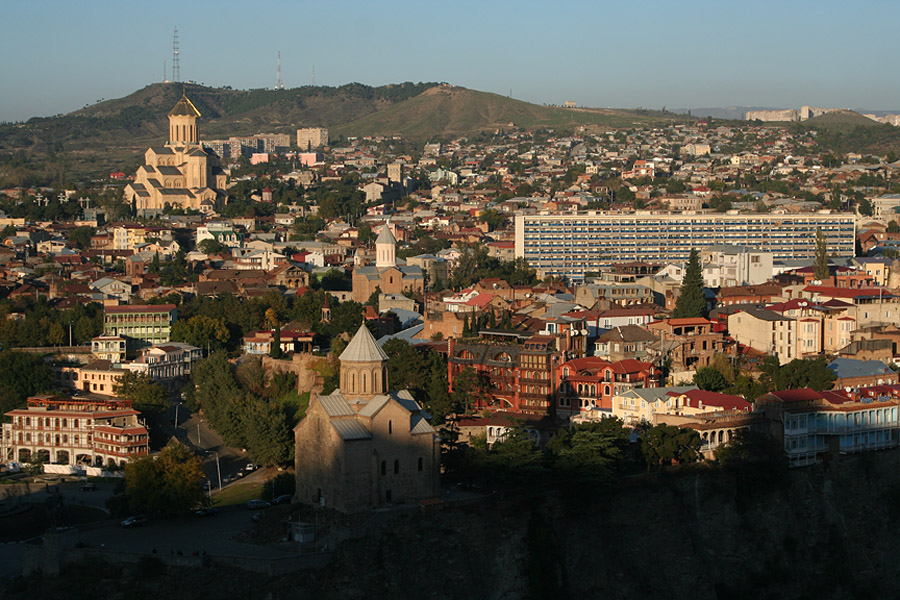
275, 350
592, 446
893, 227
691, 301
268, 436
710, 379
167, 484
211, 246
667, 444
21, 375
146, 395
201, 331
865, 207
466, 385
820, 269
799, 373
80, 237
516, 451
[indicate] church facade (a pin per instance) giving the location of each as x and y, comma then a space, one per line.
386, 275
364, 446
181, 174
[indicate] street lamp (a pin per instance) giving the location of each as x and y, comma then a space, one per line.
218, 470
177, 404
198, 431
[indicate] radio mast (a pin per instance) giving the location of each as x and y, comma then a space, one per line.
176, 67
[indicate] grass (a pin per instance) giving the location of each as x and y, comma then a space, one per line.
238, 493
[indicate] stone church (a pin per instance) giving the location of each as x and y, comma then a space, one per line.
363, 446
181, 174
387, 274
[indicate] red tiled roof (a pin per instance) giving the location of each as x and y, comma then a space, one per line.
140, 308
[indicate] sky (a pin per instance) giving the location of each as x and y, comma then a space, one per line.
59, 55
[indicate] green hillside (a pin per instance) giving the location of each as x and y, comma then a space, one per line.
447, 111
840, 120
113, 134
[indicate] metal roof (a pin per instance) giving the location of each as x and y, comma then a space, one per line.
351, 429
363, 348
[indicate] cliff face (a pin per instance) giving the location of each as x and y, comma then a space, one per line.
823, 532
826, 532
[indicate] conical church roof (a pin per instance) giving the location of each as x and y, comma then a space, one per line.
184, 108
386, 237
363, 348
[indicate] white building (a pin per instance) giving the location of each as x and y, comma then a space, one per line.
729, 266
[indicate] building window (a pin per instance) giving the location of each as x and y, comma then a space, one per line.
384, 467
396, 467
421, 464
390, 427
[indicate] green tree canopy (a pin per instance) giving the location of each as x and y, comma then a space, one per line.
166, 484
146, 395
201, 331
80, 237
710, 379
21, 375
592, 446
799, 373
691, 301
667, 444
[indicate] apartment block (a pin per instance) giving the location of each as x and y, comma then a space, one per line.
310, 138
570, 245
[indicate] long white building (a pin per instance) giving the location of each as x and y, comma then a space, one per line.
568, 245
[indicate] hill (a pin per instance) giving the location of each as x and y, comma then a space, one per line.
845, 131
113, 134
840, 120
445, 111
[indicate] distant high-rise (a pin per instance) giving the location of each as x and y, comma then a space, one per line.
311, 137
176, 66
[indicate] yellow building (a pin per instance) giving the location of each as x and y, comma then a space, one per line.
181, 174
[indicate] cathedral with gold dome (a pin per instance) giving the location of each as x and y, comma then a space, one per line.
181, 174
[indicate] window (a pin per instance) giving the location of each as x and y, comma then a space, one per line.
421, 464
396, 467
384, 467
390, 427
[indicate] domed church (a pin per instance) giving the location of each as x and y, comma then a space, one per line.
364, 446
181, 174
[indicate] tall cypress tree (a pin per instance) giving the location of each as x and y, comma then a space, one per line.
820, 270
691, 301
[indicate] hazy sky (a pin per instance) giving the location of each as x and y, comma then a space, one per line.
58, 56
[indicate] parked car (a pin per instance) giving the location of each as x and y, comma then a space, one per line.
256, 517
88, 487
206, 512
250, 467
283, 499
135, 521
258, 504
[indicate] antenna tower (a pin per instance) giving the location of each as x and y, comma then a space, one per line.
278, 84
176, 67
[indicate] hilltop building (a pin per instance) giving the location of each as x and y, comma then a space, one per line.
362, 445
181, 174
